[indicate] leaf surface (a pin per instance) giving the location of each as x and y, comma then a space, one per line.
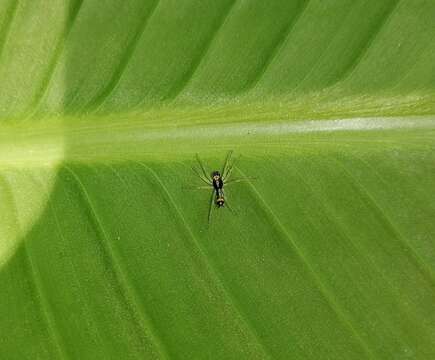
324, 250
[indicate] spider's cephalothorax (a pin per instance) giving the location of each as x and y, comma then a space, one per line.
217, 180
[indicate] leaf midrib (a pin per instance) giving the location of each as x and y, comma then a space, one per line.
47, 144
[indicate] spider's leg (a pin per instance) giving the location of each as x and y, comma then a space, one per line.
230, 207
196, 187
210, 210
241, 179
229, 171
204, 172
227, 164
204, 179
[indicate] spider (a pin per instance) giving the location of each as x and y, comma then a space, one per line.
217, 180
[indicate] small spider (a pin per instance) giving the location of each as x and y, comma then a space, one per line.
217, 180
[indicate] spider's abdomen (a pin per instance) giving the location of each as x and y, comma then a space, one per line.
220, 202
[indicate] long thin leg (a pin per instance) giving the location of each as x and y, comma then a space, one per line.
229, 171
230, 207
210, 210
204, 172
197, 187
227, 165
236, 180
201, 176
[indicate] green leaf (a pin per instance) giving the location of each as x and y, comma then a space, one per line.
324, 249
